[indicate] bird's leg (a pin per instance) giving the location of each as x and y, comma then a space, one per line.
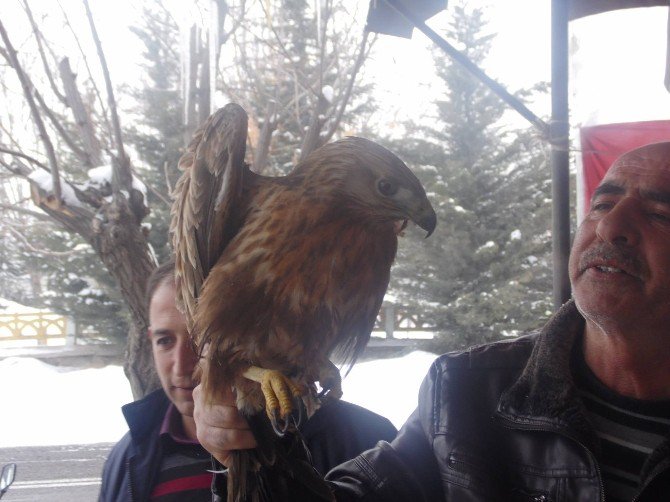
279, 392
330, 380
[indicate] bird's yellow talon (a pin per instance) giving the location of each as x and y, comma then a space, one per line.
279, 392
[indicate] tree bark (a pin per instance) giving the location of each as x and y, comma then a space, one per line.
264, 140
81, 116
123, 249
312, 140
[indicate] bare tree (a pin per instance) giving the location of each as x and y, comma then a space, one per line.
292, 65
73, 137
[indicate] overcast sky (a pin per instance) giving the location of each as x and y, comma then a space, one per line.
617, 62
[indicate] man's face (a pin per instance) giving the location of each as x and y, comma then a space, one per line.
620, 260
173, 353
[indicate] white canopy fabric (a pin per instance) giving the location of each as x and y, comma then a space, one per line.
582, 8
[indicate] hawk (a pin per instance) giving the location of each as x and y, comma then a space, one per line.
275, 274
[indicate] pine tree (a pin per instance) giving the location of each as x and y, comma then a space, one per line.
486, 270
158, 131
295, 84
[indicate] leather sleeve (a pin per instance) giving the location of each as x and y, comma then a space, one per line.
404, 470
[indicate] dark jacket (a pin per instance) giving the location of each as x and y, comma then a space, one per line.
335, 433
499, 422
128, 474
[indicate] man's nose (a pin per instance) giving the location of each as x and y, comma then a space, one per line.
185, 358
620, 225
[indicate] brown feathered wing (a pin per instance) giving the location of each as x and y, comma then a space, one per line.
208, 201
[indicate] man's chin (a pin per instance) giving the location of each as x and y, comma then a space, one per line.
180, 397
184, 407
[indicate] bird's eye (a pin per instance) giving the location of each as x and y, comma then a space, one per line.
387, 188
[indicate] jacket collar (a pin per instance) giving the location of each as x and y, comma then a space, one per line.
545, 393
544, 396
146, 415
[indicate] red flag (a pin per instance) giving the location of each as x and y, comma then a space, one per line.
602, 144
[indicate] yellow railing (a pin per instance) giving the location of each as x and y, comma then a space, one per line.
397, 319
42, 327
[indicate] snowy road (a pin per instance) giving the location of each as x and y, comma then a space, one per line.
58, 473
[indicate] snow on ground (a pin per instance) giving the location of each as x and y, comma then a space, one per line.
48, 405
389, 387
10, 307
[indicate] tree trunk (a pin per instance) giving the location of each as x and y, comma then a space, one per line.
264, 141
139, 365
115, 234
112, 228
312, 139
81, 116
123, 249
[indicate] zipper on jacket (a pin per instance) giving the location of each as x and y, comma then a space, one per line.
454, 462
130, 480
509, 424
649, 480
534, 497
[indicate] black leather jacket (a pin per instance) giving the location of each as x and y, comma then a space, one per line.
498, 422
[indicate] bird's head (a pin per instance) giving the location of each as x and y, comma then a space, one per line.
366, 176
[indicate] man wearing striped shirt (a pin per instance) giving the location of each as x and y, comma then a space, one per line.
620, 273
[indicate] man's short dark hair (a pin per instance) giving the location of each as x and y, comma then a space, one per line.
161, 274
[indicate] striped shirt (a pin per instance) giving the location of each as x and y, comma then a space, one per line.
628, 431
184, 474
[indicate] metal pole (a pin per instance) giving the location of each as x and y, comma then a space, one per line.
558, 131
560, 156
498, 89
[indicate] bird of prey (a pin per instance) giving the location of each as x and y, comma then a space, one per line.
274, 274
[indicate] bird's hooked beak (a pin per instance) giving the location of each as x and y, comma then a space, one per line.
425, 217
428, 222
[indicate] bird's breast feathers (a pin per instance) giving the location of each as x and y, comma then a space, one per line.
307, 253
